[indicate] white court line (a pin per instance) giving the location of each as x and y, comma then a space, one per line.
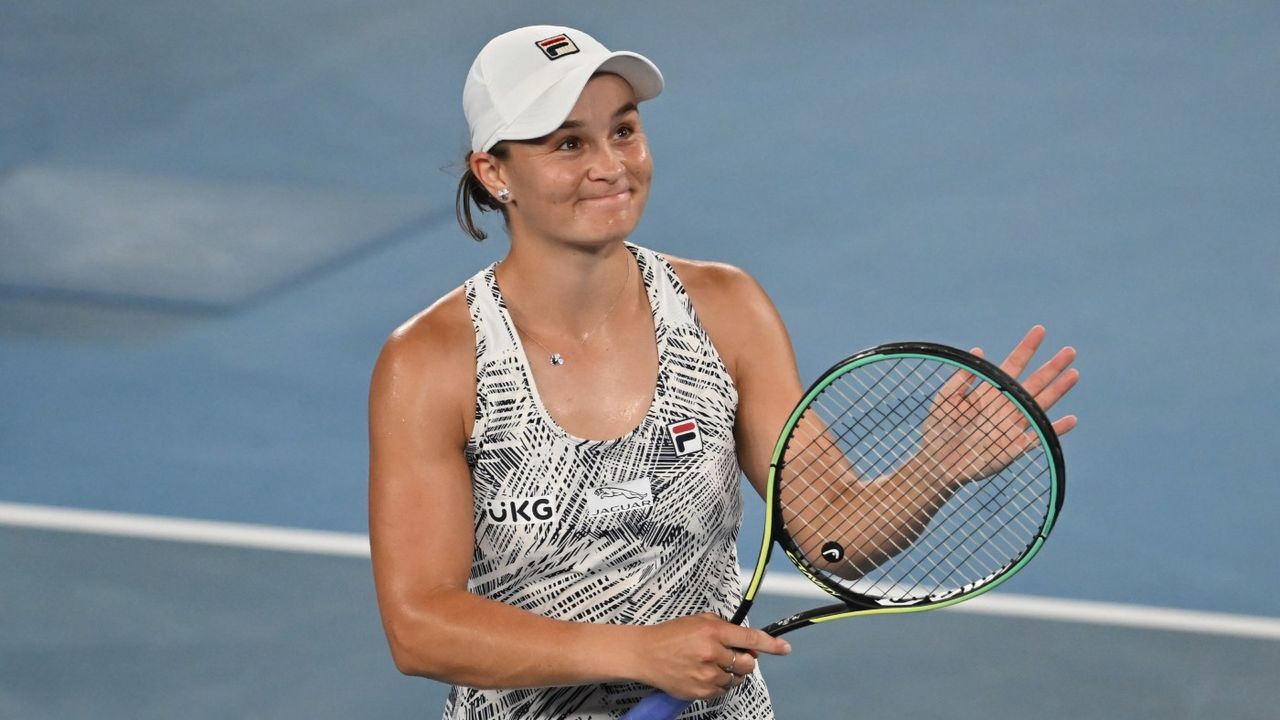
207, 532
1078, 611
316, 542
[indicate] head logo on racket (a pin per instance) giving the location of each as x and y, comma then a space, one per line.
833, 552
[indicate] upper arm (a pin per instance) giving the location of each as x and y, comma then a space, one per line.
751, 338
420, 502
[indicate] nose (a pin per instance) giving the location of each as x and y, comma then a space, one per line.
607, 164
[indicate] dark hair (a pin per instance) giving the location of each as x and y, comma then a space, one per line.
471, 190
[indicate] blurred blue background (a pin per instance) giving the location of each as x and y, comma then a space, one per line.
212, 214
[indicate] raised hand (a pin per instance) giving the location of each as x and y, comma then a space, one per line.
974, 431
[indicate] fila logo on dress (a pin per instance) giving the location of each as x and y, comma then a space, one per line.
557, 47
685, 436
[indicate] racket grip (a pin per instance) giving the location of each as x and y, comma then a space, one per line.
658, 706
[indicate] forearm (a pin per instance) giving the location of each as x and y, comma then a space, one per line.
824, 501
465, 639
889, 513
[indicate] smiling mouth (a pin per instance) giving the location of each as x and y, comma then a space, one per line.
614, 197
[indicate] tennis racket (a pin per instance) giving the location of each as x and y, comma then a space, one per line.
910, 477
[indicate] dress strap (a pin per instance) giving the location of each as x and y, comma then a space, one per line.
494, 335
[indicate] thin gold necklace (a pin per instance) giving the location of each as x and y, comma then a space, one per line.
556, 358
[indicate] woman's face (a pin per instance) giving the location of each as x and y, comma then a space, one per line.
587, 182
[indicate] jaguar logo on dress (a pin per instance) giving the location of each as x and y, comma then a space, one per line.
616, 497
685, 436
521, 511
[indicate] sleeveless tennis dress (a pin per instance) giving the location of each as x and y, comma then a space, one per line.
636, 530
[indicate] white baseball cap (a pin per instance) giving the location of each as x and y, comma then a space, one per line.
524, 83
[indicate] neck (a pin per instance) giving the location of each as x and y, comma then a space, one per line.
563, 291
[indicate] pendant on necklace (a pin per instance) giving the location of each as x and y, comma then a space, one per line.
556, 359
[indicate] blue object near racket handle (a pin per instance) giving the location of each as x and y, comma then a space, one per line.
658, 706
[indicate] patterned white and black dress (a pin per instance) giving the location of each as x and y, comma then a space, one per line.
638, 529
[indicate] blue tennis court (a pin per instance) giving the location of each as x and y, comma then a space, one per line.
211, 215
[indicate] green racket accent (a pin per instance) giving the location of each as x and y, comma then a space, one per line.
925, 493
774, 529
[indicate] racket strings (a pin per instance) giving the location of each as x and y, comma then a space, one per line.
880, 417
847, 406
904, 508
903, 514
942, 557
996, 561
881, 458
900, 447
886, 460
907, 578
891, 461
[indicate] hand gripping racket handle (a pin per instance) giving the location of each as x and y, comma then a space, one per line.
658, 706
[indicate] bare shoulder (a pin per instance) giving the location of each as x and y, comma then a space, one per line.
718, 288
429, 360
436, 338
715, 284
732, 306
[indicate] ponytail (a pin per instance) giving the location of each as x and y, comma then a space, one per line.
471, 190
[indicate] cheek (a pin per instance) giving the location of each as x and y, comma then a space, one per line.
641, 164
551, 186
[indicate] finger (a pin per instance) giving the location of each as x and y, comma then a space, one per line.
958, 381
1022, 353
984, 395
1047, 397
1064, 425
742, 664
748, 639
1001, 415
1051, 370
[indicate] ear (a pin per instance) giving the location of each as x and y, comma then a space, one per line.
488, 169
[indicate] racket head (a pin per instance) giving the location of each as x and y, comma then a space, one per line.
880, 410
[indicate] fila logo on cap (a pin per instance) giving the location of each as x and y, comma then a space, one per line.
686, 437
557, 47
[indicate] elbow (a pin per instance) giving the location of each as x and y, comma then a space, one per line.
423, 645
416, 652
407, 662
431, 635
412, 649
412, 667
404, 655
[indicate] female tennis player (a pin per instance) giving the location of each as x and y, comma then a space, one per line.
555, 446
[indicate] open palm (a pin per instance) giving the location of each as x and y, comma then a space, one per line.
974, 431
